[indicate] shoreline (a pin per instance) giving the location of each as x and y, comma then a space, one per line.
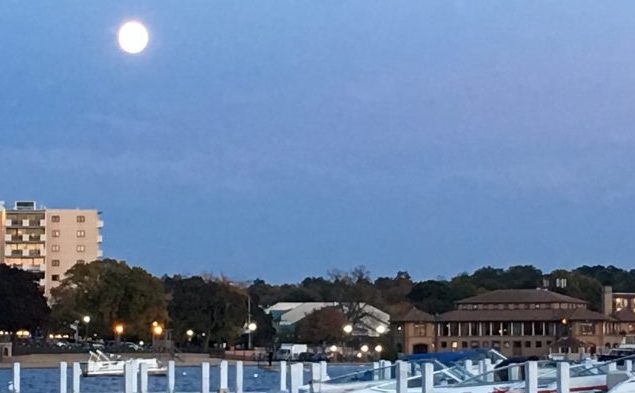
52, 360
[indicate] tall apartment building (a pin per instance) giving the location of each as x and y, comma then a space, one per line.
48, 242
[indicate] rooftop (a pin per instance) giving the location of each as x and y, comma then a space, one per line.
414, 315
555, 315
521, 296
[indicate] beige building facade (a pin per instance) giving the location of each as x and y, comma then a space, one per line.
516, 322
48, 242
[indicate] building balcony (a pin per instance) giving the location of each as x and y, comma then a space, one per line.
42, 223
8, 238
13, 253
26, 238
25, 223
100, 253
8, 223
100, 239
100, 224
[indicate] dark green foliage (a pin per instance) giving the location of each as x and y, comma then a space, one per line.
110, 292
22, 304
215, 307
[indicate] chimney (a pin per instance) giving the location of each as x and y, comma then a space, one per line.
607, 300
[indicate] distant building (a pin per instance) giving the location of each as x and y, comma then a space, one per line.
621, 306
516, 322
286, 315
48, 242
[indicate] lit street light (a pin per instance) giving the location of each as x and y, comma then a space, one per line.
348, 329
364, 348
118, 332
381, 329
378, 348
86, 320
157, 330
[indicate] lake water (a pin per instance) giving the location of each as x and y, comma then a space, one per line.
188, 379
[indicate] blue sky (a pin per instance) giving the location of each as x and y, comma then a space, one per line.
280, 139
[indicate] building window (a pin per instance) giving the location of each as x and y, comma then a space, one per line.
55, 277
80, 248
473, 329
81, 233
620, 303
528, 329
587, 329
527, 344
55, 247
420, 330
81, 218
81, 261
444, 344
474, 344
55, 262
485, 329
485, 344
538, 344
463, 344
56, 233
55, 219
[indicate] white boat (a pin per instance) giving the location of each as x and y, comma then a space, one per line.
585, 377
444, 374
627, 386
102, 364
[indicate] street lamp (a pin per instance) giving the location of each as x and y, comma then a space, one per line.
157, 330
348, 329
378, 348
364, 348
118, 332
189, 333
333, 348
86, 320
251, 327
381, 329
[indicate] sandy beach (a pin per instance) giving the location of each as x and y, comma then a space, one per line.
53, 360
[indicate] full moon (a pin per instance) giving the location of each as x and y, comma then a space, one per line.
133, 37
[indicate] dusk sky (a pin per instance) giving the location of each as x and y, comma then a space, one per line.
280, 139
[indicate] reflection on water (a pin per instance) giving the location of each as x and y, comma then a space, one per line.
188, 379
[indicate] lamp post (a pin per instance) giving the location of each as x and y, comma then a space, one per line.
157, 331
118, 332
251, 326
348, 329
86, 320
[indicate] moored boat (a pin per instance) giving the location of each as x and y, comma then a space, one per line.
102, 364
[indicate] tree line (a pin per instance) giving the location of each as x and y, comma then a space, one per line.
215, 308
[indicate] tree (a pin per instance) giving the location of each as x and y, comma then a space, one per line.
432, 296
110, 292
22, 304
323, 326
211, 306
578, 286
